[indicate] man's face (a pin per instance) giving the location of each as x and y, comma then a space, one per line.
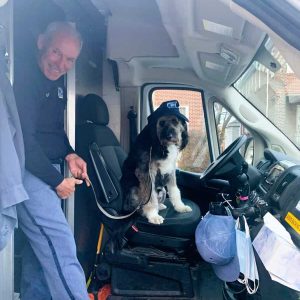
58, 55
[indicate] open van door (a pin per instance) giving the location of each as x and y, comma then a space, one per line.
6, 55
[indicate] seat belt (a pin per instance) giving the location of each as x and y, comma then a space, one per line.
132, 116
109, 190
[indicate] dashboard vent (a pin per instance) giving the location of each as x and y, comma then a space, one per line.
284, 183
263, 165
260, 164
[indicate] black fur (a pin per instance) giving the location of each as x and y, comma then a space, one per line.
135, 171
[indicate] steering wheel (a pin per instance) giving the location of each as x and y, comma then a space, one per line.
229, 153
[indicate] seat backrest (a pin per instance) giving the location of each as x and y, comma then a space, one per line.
92, 127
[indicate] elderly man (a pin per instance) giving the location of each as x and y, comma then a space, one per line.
50, 267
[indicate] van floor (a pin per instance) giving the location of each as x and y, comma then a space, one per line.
209, 287
206, 286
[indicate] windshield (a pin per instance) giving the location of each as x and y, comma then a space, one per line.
276, 95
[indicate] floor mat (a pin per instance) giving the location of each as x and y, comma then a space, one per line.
207, 285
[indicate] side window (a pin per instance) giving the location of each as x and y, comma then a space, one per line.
229, 129
195, 157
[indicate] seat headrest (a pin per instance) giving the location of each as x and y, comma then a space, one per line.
92, 108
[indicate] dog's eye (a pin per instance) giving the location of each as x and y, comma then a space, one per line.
175, 121
162, 123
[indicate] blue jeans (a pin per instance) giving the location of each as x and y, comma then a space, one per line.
50, 267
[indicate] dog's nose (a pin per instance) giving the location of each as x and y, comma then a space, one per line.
169, 135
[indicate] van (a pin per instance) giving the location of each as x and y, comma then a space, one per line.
234, 68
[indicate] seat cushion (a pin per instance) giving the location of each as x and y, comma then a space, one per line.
175, 224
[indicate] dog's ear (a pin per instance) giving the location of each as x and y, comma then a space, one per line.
153, 134
184, 136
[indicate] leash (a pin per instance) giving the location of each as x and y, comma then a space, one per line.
108, 214
139, 205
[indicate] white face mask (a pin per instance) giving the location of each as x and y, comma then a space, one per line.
246, 257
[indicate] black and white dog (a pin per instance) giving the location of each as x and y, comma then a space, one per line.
151, 164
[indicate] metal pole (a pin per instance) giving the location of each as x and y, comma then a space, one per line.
69, 204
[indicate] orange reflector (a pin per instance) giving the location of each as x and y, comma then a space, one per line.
91, 296
104, 292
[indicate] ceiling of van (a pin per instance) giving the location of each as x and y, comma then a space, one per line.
200, 40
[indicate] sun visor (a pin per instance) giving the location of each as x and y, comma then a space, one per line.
264, 57
280, 16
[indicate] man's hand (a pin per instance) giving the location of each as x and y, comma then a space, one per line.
67, 187
78, 167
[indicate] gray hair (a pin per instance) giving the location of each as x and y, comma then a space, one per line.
62, 27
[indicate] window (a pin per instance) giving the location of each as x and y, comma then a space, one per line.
184, 110
275, 94
195, 157
229, 129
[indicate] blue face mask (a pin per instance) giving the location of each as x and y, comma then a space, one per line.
246, 257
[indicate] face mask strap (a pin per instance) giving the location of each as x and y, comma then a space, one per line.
250, 254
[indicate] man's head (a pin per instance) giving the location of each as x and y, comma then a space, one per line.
59, 46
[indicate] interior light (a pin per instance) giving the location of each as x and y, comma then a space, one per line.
214, 66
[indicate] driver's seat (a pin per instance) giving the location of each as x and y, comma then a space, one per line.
178, 229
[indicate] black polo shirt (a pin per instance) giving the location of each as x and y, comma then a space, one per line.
41, 104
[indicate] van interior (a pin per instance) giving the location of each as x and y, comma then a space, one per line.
234, 67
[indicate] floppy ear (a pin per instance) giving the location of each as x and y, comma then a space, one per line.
184, 136
153, 133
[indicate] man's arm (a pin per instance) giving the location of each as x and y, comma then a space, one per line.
36, 160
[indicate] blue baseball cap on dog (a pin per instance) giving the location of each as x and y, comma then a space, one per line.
170, 107
216, 243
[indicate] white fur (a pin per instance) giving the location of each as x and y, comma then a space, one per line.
166, 166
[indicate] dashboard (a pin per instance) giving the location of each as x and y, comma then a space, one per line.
273, 175
279, 187
278, 174
283, 172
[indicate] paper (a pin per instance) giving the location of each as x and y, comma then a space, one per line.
278, 253
272, 223
279, 280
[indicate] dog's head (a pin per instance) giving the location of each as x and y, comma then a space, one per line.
171, 130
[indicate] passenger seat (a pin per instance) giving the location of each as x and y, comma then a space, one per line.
178, 229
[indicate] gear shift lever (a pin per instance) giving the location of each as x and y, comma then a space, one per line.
243, 188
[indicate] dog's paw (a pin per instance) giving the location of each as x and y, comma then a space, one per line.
183, 208
161, 206
156, 219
